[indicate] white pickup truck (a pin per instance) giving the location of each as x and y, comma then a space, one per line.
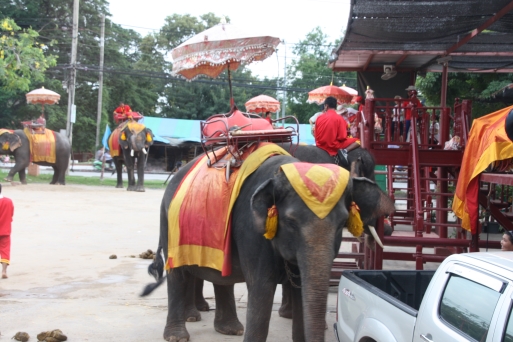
468, 298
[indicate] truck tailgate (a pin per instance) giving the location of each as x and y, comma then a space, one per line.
365, 310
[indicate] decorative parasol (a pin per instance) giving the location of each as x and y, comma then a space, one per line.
221, 47
349, 90
262, 104
320, 94
42, 96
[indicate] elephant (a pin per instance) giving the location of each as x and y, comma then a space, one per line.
311, 154
304, 247
134, 141
16, 143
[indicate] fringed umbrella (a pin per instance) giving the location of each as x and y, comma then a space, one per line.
42, 96
263, 104
221, 47
320, 94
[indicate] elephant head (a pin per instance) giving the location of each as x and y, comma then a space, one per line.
8, 141
136, 137
305, 239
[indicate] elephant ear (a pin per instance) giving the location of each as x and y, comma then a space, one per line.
149, 136
262, 199
371, 200
123, 137
13, 141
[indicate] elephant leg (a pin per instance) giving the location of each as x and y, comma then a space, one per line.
140, 174
131, 177
226, 321
55, 175
119, 172
20, 170
298, 326
191, 313
285, 310
23, 176
258, 315
178, 281
199, 300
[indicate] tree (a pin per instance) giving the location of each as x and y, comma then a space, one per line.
473, 86
22, 63
126, 54
310, 71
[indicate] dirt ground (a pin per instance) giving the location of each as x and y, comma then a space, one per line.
61, 276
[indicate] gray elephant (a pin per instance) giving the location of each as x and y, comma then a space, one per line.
304, 245
17, 144
364, 163
134, 141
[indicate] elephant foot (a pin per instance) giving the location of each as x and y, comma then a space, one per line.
192, 315
23, 182
229, 327
140, 189
130, 188
202, 305
176, 334
119, 186
285, 311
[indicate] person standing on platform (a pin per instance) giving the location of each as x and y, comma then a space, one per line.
6, 215
414, 102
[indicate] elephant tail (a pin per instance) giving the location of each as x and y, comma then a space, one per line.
156, 269
150, 287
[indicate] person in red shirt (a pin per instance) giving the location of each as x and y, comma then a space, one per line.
331, 131
6, 215
414, 102
267, 116
121, 112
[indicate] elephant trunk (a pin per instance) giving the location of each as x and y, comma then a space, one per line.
315, 266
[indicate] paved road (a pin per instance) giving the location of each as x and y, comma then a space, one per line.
61, 276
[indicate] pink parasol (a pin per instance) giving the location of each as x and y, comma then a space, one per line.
262, 104
220, 47
320, 94
349, 90
42, 96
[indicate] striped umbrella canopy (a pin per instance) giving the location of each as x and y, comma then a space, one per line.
263, 104
320, 94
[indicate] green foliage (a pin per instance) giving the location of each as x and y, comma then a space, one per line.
22, 58
178, 28
310, 71
472, 86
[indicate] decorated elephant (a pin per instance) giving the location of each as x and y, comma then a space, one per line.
47, 148
286, 223
364, 165
129, 144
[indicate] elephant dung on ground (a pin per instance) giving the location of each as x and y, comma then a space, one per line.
17, 144
304, 245
133, 140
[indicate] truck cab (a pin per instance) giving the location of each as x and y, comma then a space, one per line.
469, 298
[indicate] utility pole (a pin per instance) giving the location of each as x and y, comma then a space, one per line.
284, 82
100, 88
73, 75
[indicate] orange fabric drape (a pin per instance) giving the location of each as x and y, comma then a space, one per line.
487, 143
42, 146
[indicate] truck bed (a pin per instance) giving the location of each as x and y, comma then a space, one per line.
408, 287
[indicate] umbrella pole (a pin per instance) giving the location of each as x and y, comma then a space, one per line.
232, 102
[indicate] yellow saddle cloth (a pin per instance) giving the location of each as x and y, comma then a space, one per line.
199, 216
42, 146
